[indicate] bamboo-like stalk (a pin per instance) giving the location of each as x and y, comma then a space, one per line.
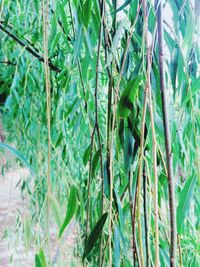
48, 111
146, 216
153, 134
171, 181
112, 138
96, 129
133, 213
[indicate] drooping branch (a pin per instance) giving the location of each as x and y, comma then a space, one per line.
172, 206
154, 145
96, 129
27, 46
112, 135
45, 11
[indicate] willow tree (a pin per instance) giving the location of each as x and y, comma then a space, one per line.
102, 100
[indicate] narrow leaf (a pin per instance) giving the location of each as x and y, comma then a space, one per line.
87, 9
122, 6
116, 247
94, 235
185, 200
42, 258
70, 210
56, 211
18, 155
37, 261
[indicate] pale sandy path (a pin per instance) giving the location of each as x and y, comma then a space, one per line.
10, 204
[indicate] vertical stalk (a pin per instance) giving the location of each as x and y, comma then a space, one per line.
153, 134
96, 129
146, 216
48, 111
141, 154
102, 5
133, 215
112, 138
172, 206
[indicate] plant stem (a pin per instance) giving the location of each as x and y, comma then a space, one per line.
31, 50
112, 138
48, 111
133, 215
146, 217
171, 181
148, 56
96, 128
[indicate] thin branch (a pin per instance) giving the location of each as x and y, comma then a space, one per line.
146, 217
148, 56
172, 205
28, 48
48, 111
96, 128
78, 61
112, 137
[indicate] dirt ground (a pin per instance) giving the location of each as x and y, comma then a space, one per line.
12, 249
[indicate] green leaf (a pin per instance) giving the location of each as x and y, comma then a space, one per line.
126, 3
87, 9
63, 18
116, 247
27, 232
174, 66
115, 42
94, 235
86, 155
37, 261
18, 155
95, 162
194, 89
42, 258
78, 44
128, 150
185, 200
106, 179
56, 211
70, 209
128, 97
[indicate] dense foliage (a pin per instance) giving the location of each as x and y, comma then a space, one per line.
91, 129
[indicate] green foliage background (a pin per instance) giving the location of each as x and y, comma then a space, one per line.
73, 32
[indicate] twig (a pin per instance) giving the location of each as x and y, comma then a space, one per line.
48, 111
146, 217
133, 217
172, 206
112, 138
96, 128
28, 48
78, 61
153, 134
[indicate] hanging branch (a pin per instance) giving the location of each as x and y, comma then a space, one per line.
112, 137
96, 129
172, 206
153, 133
31, 50
48, 111
146, 216
78, 61
133, 215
